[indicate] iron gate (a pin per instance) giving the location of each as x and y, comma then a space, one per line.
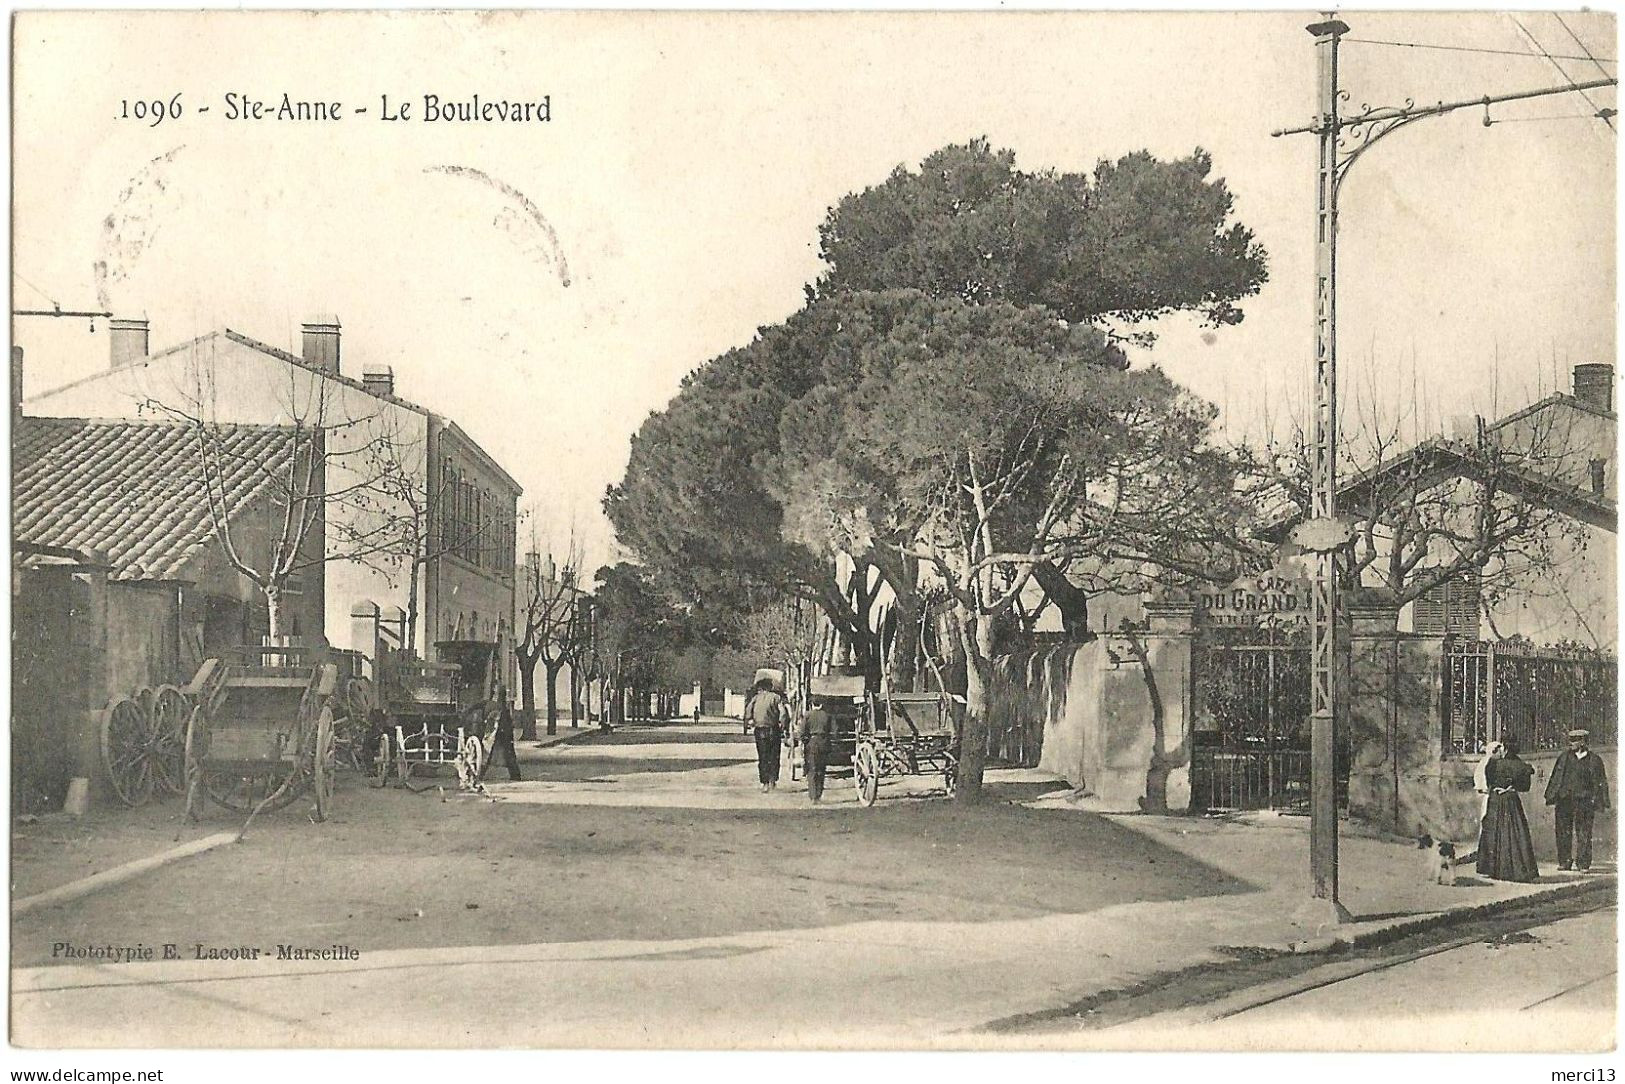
1253, 750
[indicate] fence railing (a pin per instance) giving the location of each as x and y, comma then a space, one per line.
1494, 690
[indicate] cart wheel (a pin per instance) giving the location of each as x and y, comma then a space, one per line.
866, 774
326, 763
193, 767
127, 750
170, 711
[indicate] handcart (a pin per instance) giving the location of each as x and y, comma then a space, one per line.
905, 734
260, 732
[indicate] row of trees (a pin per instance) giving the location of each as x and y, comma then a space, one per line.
953, 412
952, 419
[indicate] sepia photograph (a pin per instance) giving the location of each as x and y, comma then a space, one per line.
813, 531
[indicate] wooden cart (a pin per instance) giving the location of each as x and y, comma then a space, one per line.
905, 734
260, 733
439, 713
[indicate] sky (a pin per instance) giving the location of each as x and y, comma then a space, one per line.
549, 285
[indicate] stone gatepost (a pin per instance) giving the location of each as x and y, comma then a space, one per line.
1146, 711
1373, 717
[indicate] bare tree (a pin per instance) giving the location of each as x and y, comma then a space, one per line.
319, 486
1506, 502
409, 513
549, 627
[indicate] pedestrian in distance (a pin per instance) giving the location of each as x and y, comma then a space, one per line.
766, 715
1578, 788
1506, 852
817, 729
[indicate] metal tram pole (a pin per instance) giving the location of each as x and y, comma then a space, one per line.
1340, 141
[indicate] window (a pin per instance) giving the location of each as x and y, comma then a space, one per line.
1599, 476
1450, 609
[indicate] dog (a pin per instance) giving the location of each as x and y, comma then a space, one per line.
1440, 859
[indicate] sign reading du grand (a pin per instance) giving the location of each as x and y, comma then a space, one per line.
1281, 595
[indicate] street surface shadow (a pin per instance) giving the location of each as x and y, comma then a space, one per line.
486, 873
589, 769
672, 735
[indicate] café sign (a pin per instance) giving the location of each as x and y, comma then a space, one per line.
1279, 596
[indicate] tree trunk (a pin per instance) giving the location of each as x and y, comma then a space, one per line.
273, 611
527, 698
553, 696
1071, 600
575, 695
976, 639
409, 635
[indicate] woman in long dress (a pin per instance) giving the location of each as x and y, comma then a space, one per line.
1505, 850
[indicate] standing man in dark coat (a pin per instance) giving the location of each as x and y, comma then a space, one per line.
502, 738
1578, 788
766, 715
817, 730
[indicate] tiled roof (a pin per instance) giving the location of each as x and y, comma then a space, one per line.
131, 492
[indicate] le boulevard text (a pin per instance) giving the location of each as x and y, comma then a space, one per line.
285, 108
143, 953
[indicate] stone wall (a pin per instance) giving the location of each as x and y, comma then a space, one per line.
1116, 711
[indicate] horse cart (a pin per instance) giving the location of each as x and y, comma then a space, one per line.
260, 731
905, 734
439, 713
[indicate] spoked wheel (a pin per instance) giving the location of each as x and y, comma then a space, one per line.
170, 713
325, 763
192, 751
350, 730
866, 774
129, 747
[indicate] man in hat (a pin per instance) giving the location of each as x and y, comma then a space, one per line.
817, 732
1578, 788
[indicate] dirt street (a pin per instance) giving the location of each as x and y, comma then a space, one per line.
394, 869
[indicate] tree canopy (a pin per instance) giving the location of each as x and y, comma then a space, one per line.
1137, 239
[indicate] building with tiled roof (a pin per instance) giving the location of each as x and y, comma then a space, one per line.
119, 579
132, 493
467, 501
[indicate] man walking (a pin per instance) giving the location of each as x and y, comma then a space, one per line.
765, 713
1578, 788
817, 729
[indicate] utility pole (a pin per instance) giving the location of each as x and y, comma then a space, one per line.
1340, 141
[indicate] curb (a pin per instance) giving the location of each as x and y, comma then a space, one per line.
86, 886
547, 741
1406, 927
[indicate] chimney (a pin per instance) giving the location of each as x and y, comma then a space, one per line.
378, 379
127, 341
1594, 385
321, 344
16, 382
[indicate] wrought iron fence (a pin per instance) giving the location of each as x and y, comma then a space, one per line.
1495, 690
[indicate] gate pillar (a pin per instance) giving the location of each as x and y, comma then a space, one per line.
1374, 740
1162, 755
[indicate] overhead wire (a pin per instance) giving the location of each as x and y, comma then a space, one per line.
1583, 47
18, 275
1561, 70
1477, 49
